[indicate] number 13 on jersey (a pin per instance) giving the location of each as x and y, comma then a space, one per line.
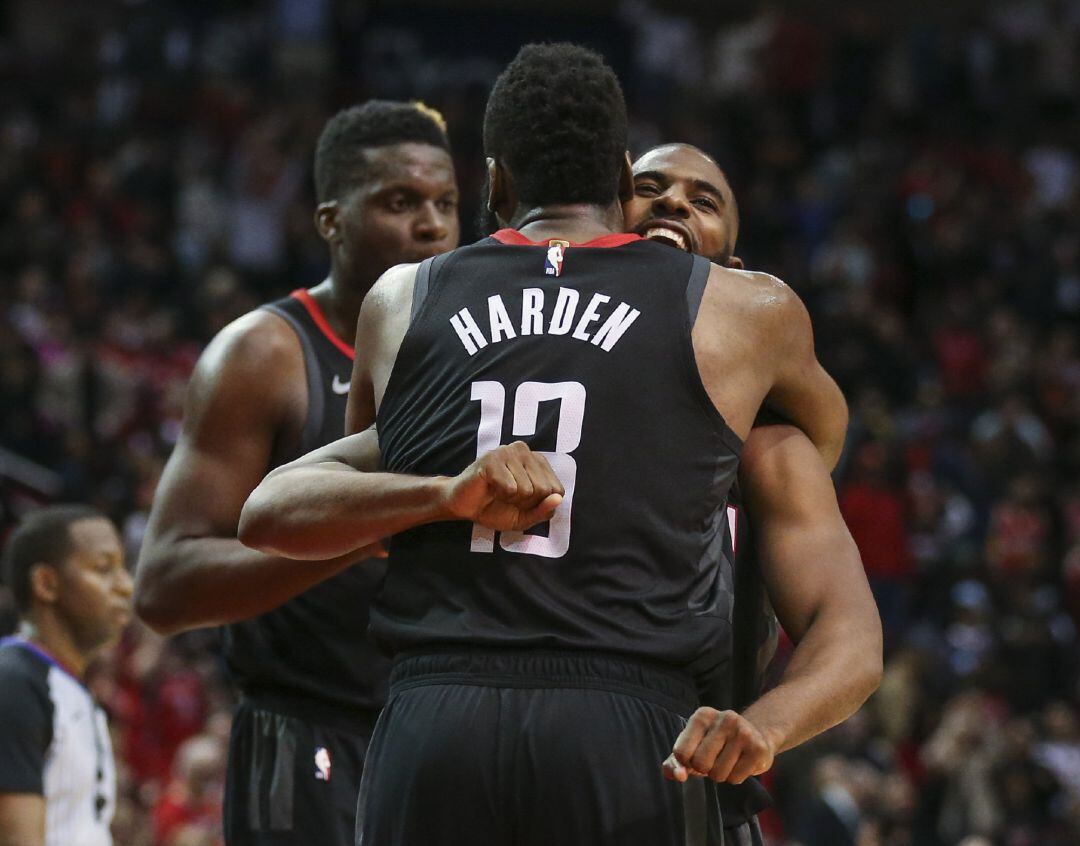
527, 399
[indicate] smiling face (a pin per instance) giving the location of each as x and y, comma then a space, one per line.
682, 197
406, 211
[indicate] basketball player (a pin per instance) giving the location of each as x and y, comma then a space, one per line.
542, 676
272, 386
65, 568
799, 546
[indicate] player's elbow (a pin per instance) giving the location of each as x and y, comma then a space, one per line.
867, 665
262, 526
155, 604
257, 528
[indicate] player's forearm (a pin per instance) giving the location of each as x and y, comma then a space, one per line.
832, 671
326, 509
194, 582
22, 819
21, 838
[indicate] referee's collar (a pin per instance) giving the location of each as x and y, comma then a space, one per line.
42, 653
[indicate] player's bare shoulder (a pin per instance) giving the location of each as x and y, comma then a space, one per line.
761, 307
750, 291
385, 315
256, 360
391, 295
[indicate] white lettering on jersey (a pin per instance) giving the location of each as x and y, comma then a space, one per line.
565, 306
532, 311
591, 315
468, 331
501, 326
608, 335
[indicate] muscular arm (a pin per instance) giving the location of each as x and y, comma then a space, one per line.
754, 343
22, 819
192, 570
802, 392
319, 505
380, 328
815, 579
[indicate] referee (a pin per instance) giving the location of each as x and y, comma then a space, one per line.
65, 567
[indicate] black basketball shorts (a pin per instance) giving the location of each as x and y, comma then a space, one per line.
293, 774
531, 749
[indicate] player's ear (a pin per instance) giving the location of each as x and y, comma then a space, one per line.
735, 263
44, 583
328, 221
626, 179
500, 200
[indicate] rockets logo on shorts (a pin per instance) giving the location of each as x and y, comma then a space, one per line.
553, 261
322, 763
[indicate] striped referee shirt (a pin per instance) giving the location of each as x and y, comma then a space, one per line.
54, 741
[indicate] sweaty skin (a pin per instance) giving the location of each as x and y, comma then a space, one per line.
247, 401
810, 564
752, 338
753, 343
742, 315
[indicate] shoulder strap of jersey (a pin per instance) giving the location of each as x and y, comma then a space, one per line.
316, 396
695, 286
428, 268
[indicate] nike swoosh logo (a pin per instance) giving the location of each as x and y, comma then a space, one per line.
339, 387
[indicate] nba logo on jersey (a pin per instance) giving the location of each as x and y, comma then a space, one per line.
322, 763
554, 261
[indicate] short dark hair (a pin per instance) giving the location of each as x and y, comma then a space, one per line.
43, 537
734, 200
340, 162
556, 118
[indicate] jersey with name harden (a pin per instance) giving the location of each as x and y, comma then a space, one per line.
593, 366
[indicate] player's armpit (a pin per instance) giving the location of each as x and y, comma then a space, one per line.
22, 819
802, 392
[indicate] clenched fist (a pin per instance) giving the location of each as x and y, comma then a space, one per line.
721, 745
510, 488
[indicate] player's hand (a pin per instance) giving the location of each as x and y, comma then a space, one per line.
510, 488
720, 745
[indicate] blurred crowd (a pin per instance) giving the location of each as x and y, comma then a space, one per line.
915, 180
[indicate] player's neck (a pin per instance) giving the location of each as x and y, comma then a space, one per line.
577, 223
341, 305
52, 638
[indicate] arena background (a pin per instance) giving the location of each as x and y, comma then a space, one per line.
912, 172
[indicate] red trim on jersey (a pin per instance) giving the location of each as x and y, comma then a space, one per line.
514, 238
320, 320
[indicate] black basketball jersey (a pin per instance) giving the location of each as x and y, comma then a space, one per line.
584, 352
316, 644
737, 682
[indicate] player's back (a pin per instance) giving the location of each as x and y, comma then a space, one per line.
585, 353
